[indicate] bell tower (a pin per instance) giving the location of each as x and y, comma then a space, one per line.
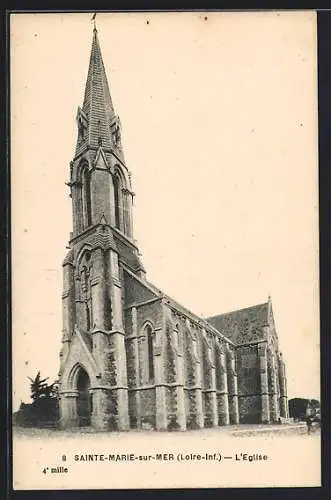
99, 179
100, 246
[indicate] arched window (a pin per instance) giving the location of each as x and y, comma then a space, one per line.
81, 131
85, 266
117, 201
86, 185
88, 317
149, 333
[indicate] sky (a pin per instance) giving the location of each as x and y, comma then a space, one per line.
219, 130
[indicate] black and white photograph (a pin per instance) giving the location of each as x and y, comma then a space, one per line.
165, 250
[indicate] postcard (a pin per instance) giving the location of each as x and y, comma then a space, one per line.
165, 276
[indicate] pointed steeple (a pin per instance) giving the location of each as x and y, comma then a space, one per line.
97, 121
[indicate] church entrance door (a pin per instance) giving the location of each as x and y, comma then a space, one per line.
84, 401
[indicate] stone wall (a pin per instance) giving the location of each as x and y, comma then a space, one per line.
141, 388
249, 384
250, 409
248, 370
148, 407
273, 382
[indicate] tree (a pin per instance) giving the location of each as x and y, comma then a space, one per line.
44, 409
40, 389
298, 407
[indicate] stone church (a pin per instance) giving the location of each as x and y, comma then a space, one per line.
131, 356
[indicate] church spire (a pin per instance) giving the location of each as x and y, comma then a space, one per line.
93, 19
98, 124
100, 182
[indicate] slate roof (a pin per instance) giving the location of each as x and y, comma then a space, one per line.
181, 309
103, 240
97, 106
242, 325
98, 238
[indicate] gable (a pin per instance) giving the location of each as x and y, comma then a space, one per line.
272, 334
101, 161
79, 353
244, 325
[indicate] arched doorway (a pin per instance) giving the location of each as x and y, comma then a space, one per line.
84, 401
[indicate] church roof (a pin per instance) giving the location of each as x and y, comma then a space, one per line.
98, 236
103, 240
97, 113
181, 309
241, 324
190, 315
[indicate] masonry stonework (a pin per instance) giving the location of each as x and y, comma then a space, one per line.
131, 356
